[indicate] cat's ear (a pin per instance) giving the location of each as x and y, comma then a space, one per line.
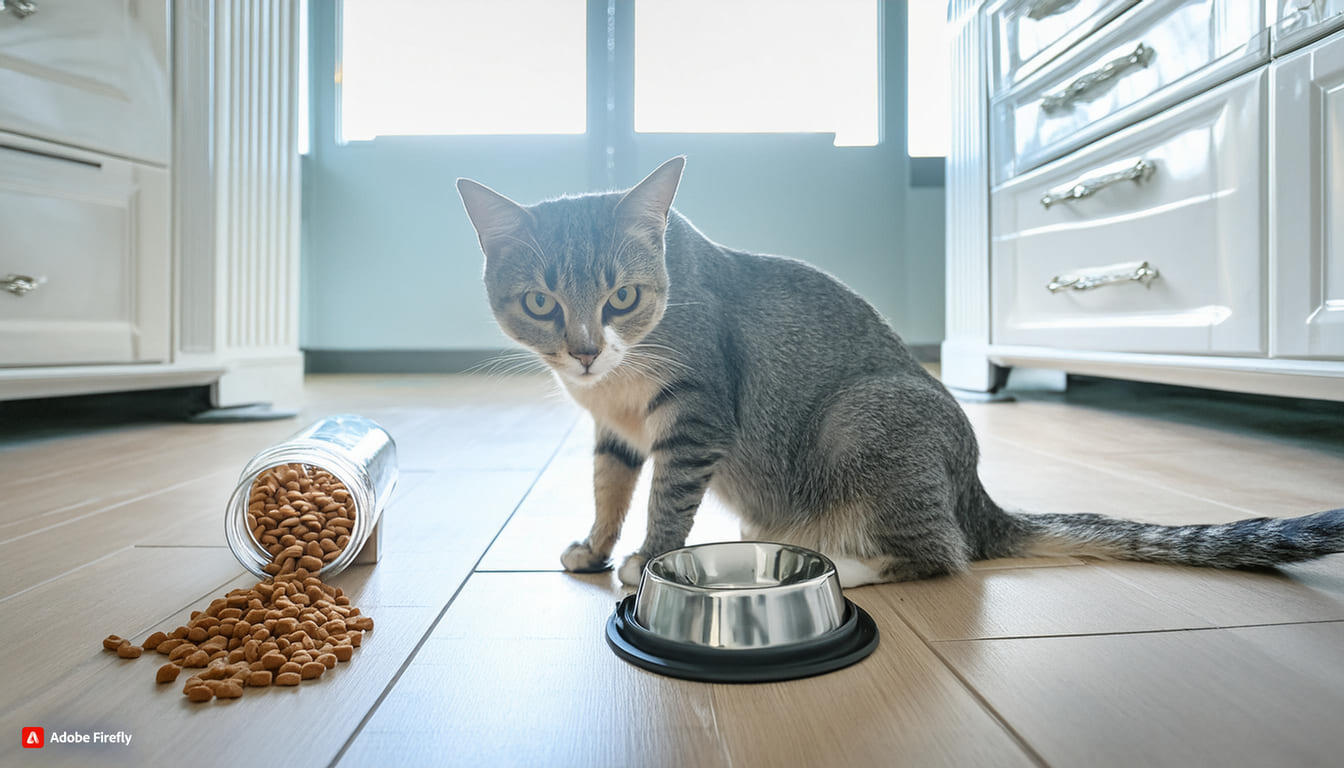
648, 202
492, 214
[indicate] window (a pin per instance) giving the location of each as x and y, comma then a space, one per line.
928, 62
758, 66
464, 67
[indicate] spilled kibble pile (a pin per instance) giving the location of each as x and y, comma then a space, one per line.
288, 628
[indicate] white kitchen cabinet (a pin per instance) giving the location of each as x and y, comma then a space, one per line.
148, 206
1180, 220
1307, 202
84, 257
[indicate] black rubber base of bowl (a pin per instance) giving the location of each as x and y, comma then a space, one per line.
845, 645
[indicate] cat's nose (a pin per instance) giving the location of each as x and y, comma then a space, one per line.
586, 356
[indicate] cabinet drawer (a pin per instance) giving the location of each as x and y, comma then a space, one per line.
89, 73
1154, 55
1183, 192
1028, 33
92, 233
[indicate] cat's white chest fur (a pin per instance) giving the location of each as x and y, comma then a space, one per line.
620, 403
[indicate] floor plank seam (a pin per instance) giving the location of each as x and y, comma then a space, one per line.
56, 511
63, 574
1120, 574
1122, 475
95, 464
1204, 422
205, 596
1035, 566
429, 631
1137, 631
180, 546
110, 507
989, 709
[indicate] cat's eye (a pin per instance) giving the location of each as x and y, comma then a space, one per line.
540, 305
623, 300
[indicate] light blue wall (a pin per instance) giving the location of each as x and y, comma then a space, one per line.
924, 277
391, 262
839, 209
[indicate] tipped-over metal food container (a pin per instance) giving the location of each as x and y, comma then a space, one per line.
741, 611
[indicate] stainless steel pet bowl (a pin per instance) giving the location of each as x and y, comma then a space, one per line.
741, 611
740, 594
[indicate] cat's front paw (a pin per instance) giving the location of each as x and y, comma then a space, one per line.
632, 569
579, 557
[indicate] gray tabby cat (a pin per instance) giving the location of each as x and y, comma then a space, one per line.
778, 387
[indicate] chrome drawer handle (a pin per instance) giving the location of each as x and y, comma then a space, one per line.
21, 8
1140, 171
1107, 72
1045, 8
1135, 272
21, 284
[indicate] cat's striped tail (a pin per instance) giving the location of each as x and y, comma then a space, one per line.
1260, 542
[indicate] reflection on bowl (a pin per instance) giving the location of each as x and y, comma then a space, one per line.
739, 595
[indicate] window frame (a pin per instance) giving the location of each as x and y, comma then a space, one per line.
609, 93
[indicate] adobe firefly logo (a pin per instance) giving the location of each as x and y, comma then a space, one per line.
34, 738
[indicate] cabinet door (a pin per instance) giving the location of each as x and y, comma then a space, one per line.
1307, 203
84, 257
89, 73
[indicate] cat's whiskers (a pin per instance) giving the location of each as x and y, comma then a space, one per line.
646, 371
516, 368
557, 392
487, 368
664, 368
643, 347
506, 355
629, 363
632, 366
642, 353
506, 364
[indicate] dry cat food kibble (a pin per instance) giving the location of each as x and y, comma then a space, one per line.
167, 673
288, 628
301, 515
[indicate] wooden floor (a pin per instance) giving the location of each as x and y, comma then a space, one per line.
486, 654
